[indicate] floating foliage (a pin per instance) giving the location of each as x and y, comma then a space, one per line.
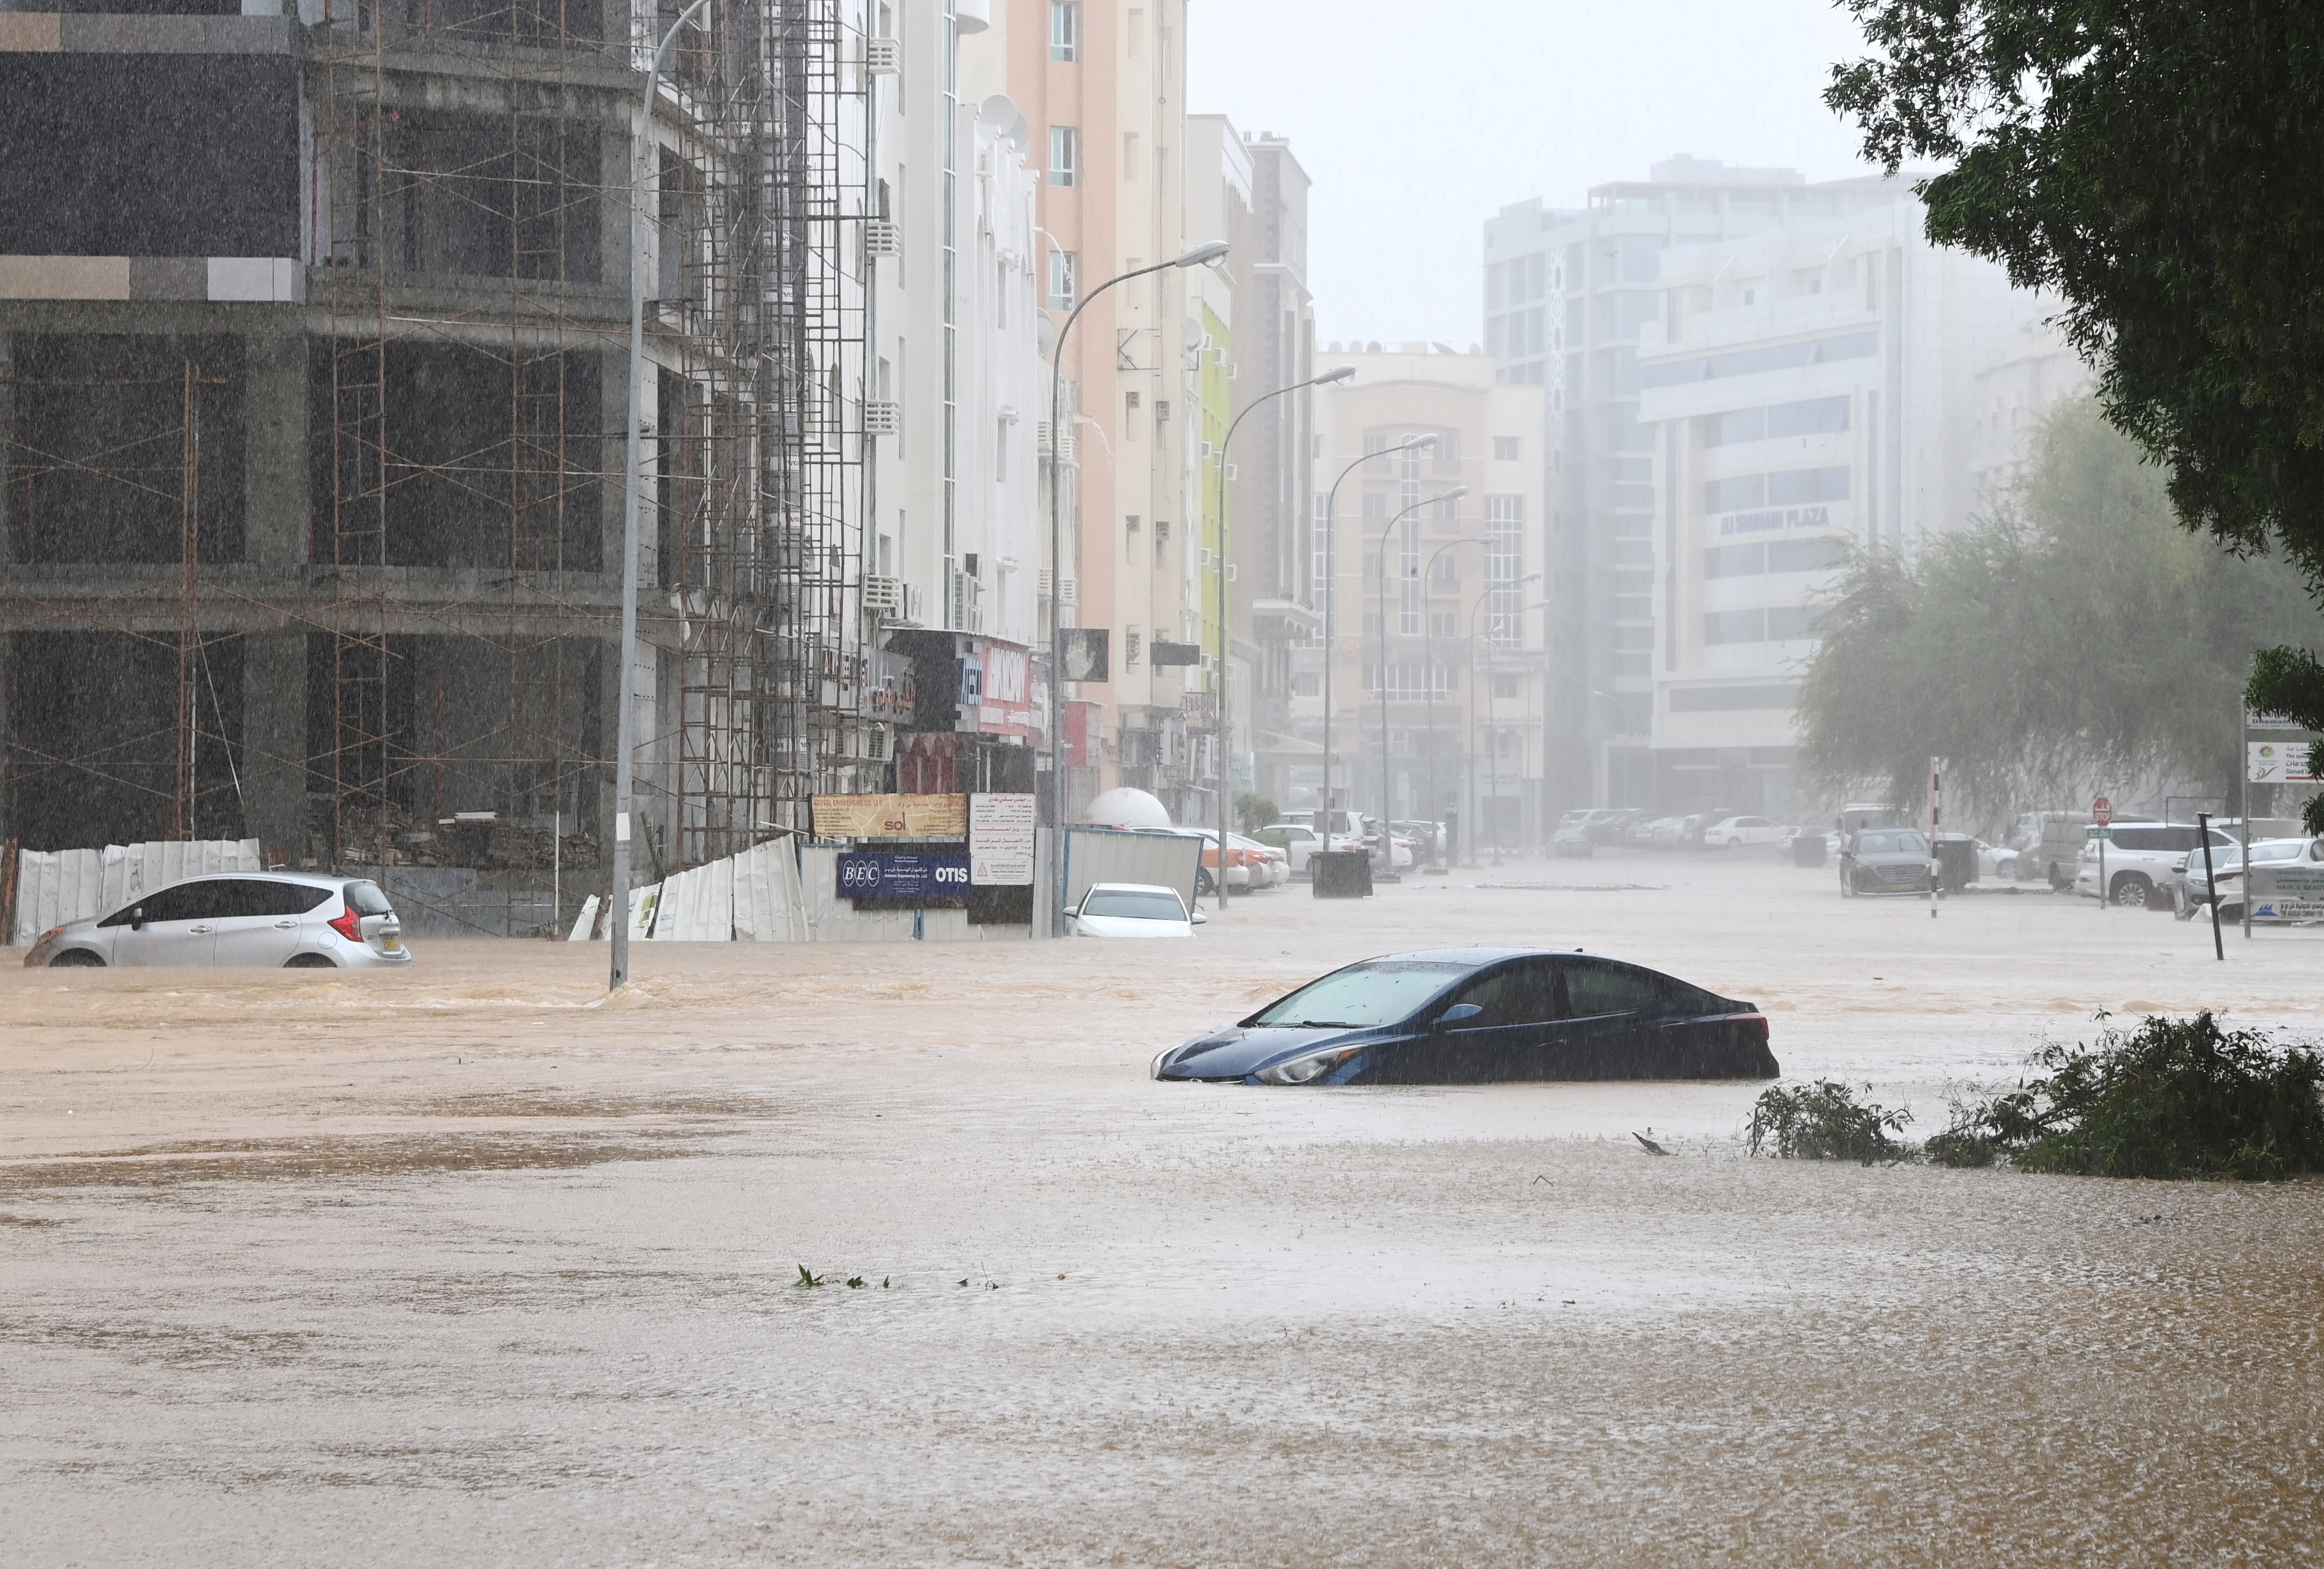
1825, 1122
2172, 1098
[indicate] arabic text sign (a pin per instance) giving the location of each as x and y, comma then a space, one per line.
891, 817
1001, 840
903, 874
2287, 892
2278, 763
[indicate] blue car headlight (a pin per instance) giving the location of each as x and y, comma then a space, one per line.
1301, 1070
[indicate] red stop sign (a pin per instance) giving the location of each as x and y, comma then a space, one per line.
2102, 811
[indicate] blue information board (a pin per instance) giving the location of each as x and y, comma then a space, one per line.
903, 874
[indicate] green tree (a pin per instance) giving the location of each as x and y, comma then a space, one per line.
2159, 164
1255, 810
2079, 638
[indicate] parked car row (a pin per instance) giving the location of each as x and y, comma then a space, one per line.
1640, 828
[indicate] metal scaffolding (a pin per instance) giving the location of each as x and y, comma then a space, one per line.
458, 600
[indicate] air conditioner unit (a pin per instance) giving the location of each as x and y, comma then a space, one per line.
1065, 452
882, 238
1068, 597
884, 594
883, 56
883, 418
914, 603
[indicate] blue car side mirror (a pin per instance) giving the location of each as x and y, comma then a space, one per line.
1459, 1011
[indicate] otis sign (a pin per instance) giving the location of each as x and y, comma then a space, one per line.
914, 875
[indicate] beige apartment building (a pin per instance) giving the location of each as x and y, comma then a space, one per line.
1102, 85
1435, 650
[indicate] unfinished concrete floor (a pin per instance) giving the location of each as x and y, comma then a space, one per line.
469, 1264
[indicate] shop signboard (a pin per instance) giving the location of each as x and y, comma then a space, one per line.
1001, 840
903, 874
891, 817
2278, 763
1002, 700
2287, 893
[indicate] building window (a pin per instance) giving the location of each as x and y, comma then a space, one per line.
1408, 678
1066, 29
1061, 268
1504, 556
1000, 451
1310, 685
1319, 505
1505, 448
1440, 623
1064, 154
1129, 645
1509, 686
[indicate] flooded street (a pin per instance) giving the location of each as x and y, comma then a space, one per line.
469, 1264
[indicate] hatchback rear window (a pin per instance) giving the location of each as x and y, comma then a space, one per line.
365, 899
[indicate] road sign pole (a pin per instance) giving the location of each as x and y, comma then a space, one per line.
2102, 814
2211, 881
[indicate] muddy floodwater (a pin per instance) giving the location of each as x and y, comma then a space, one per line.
469, 1264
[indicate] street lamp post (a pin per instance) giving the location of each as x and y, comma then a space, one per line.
1332, 597
626, 726
1226, 634
1209, 251
1387, 847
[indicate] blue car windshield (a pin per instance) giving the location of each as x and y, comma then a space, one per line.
1363, 995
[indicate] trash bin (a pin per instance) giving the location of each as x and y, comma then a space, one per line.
1956, 862
1807, 849
1341, 873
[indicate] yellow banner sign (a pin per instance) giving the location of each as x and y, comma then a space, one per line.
891, 817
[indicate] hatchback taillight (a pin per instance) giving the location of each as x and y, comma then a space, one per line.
348, 924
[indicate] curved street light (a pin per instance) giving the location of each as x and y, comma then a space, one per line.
1226, 632
1209, 251
625, 740
1332, 597
1388, 850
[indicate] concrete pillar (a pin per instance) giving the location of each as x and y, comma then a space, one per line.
277, 468
276, 507
274, 741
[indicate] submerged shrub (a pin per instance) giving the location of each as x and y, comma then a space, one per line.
1825, 1122
2173, 1098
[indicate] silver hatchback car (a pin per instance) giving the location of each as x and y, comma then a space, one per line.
295, 920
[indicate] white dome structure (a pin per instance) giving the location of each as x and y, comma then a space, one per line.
1128, 808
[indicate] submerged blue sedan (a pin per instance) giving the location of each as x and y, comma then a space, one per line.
1451, 1015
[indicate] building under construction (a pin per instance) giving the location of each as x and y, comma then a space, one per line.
313, 389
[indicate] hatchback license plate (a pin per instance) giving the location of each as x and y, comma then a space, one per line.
392, 945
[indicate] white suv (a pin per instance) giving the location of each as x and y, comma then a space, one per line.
2143, 862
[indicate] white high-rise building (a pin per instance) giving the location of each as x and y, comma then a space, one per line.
1819, 388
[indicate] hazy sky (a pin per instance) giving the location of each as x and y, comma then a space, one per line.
1419, 120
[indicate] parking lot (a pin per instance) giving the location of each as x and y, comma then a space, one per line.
470, 1264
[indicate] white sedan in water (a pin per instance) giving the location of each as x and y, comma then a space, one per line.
1734, 833
1133, 910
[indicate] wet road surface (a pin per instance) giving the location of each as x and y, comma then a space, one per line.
469, 1265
